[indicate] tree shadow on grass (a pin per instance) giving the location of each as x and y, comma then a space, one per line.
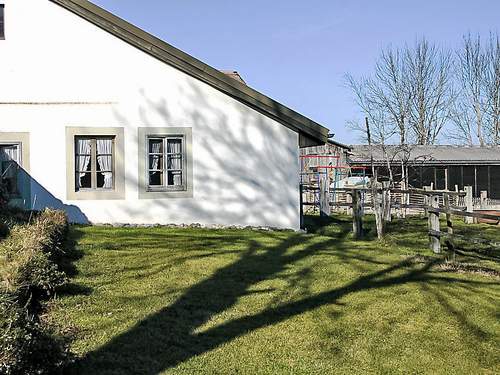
176, 333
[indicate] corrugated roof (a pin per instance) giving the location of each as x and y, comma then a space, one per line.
311, 131
436, 154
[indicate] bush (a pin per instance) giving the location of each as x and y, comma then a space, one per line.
31, 259
28, 345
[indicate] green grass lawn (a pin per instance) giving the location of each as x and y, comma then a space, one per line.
199, 301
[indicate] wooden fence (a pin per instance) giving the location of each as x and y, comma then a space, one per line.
385, 201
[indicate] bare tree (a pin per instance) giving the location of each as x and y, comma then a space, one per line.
470, 106
389, 90
477, 108
428, 70
492, 83
379, 129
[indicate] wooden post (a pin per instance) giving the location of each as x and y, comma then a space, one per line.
349, 199
301, 200
434, 241
386, 201
377, 209
484, 199
447, 206
457, 197
324, 195
469, 203
427, 201
403, 199
357, 220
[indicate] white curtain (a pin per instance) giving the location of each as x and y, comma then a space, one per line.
9, 153
174, 146
155, 148
105, 160
83, 148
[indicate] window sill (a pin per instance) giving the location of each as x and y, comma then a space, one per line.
96, 195
165, 193
150, 189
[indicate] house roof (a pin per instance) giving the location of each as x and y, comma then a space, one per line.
431, 155
310, 130
338, 144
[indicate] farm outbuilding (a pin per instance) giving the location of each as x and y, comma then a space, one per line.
330, 158
443, 166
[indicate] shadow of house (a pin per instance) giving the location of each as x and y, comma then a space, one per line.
33, 196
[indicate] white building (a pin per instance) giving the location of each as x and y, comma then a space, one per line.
113, 125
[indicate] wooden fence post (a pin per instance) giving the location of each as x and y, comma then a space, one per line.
357, 220
301, 200
378, 209
469, 203
427, 201
349, 199
434, 239
447, 206
324, 195
404, 199
387, 201
484, 199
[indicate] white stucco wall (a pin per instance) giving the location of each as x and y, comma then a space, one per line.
246, 166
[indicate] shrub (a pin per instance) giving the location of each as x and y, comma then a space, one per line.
30, 272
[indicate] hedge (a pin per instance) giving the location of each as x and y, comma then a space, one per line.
31, 269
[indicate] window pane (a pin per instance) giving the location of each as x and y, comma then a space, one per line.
104, 180
155, 146
104, 146
482, 179
84, 180
440, 179
9, 153
105, 163
156, 162
454, 177
155, 178
9, 175
2, 21
469, 174
414, 177
174, 161
83, 150
174, 146
174, 178
428, 176
495, 181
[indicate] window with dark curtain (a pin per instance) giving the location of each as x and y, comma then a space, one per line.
428, 176
2, 21
482, 178
440, 178
455, 177
414, 177
495, 181
470, 177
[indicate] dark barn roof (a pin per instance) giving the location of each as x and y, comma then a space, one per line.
310, 132
428, 155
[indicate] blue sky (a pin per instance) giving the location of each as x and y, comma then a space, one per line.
298, 51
